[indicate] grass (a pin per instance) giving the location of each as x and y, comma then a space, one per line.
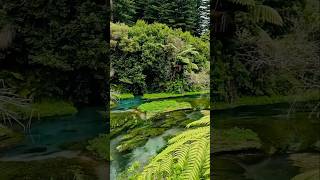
264, 100
50, 108
125, 96
154, 96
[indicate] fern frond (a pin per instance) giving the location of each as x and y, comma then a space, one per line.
201, 122
188, 151
266, 14
196, 159
183, 60
244, 2
191, 134
181, 155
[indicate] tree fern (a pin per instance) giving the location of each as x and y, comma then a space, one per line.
186, 57
244, 2
186, 157
260, 13
266, 14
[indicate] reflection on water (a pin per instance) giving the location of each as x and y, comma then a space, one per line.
280, 134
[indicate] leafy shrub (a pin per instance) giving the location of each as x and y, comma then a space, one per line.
154, 57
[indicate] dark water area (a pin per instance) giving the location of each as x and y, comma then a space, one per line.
275, 126
281, 131
234, 167
47, 136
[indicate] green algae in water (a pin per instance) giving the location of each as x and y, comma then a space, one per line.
278, 131
235, 139
155, 107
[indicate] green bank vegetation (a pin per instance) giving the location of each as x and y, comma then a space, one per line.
155, 107
154, 96
49, 108
265, 100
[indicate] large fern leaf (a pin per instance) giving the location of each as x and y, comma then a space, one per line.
201, 122
244, 2
264, 13
189, 152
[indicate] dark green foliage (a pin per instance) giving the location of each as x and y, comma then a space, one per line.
156, 58
177, 14
58, 50
123, 11
254, 56
184, 14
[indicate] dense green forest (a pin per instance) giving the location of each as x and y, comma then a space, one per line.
155, 58
53, 69
264, 51
54, 50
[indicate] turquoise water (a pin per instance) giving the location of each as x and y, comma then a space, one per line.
47, 136
126, 104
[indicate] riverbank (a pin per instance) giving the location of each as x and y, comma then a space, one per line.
154, 96
49, 108
265, 100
